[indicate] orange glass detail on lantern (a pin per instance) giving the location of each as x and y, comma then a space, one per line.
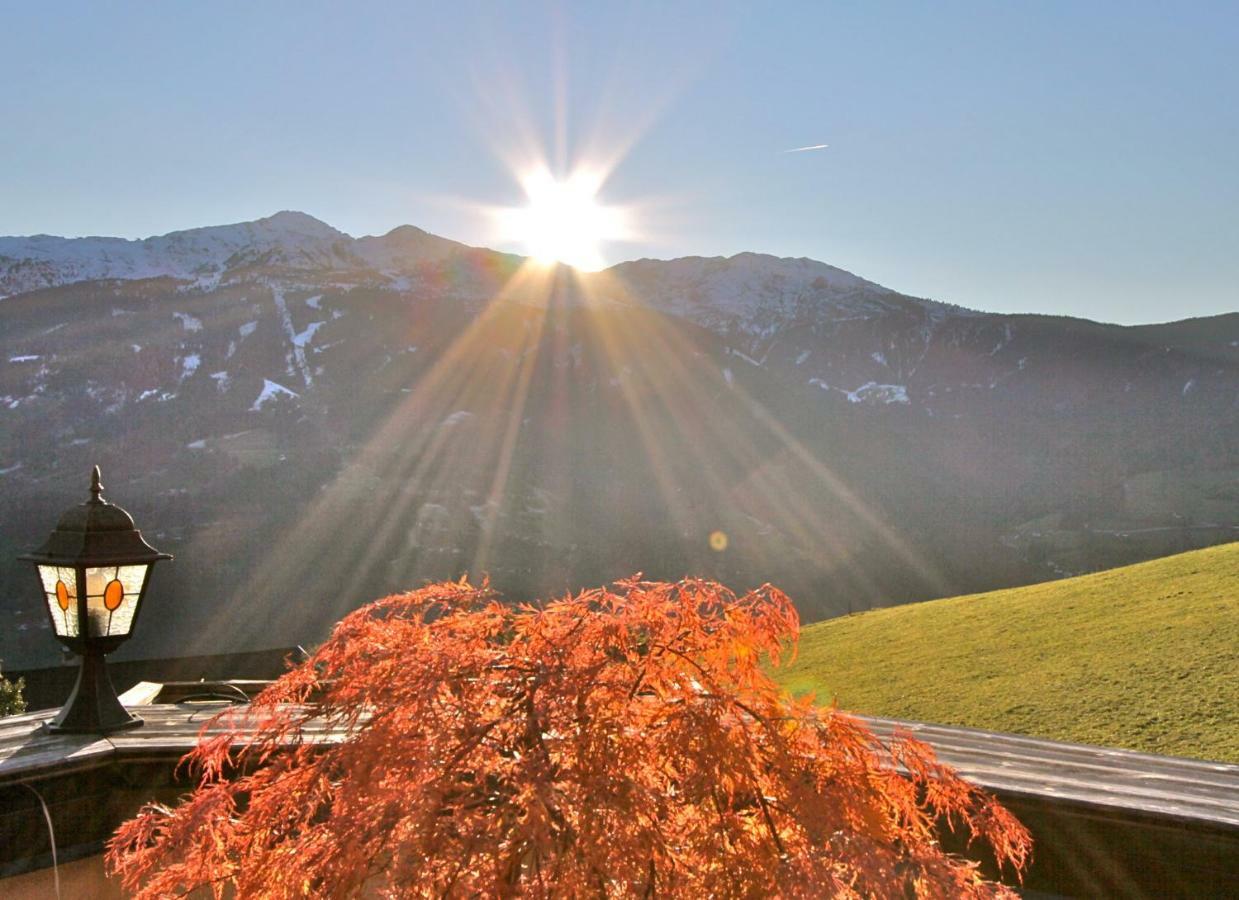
113, 595
62, 595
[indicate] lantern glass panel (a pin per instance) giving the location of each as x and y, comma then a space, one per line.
112, 595
60, 592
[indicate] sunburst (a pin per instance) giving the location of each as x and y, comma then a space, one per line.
564, 220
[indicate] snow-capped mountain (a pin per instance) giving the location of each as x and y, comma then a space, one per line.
308, 420
290, 240
403, 249
759, 293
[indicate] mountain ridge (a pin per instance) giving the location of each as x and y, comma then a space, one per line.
288, 238
382, 251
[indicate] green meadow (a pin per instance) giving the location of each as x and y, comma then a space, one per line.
1144, 657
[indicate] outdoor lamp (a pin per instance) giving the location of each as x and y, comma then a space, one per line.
93, 572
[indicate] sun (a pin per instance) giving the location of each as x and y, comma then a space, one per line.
563, 221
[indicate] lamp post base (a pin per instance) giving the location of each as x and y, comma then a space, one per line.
93, 707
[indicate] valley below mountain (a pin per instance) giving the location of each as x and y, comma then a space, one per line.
309, 421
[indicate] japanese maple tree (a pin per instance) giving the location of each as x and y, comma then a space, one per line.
623, 742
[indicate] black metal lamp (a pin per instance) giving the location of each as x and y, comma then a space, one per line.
93, 572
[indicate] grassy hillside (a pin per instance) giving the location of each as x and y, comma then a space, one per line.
1144, 657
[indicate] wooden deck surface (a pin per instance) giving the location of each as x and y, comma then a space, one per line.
1185, 790
1164, 786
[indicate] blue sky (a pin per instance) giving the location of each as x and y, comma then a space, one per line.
1047, 157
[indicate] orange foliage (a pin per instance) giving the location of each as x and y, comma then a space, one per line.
623, 742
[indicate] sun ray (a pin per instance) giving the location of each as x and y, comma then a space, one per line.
515, 417
683, 396
411, 449
461, 379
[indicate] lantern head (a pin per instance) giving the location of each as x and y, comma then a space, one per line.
93, 572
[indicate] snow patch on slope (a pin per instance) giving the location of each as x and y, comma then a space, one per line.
189, 365
302, 338
296, 358
188, 322
872, 392
270, 391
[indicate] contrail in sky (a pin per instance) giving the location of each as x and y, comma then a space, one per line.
803, 149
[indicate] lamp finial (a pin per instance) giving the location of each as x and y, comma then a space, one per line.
96, 486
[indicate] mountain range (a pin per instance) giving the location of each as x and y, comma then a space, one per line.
309, 420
